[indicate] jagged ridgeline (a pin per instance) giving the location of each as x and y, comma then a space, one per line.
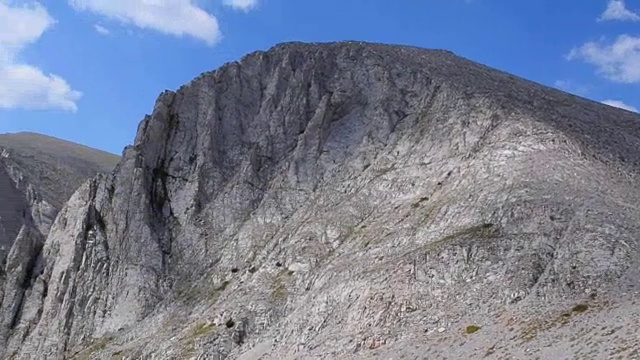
345, 200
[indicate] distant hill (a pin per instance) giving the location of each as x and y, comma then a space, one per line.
38, 173
55, 166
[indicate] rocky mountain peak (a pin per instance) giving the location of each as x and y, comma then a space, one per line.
322, 200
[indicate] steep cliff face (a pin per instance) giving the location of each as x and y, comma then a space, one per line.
320, 200
37, 175
20, 201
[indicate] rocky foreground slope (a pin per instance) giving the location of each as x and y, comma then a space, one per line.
347, 200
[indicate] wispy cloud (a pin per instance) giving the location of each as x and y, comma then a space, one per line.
101, 29
571, 87
173, 17
617, 61
616, 10
620, 104
244, 5
23, 85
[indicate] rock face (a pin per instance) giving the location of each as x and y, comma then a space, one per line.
344, 200
37, 176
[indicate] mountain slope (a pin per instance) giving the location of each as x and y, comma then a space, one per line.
344, 200
38, 174
61, 166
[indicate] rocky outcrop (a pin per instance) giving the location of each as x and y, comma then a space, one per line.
22, 205
37, 174
21, 263
334, 200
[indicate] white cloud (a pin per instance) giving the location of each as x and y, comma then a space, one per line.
22, 85
571, 87
618, 61
101, 29
244, 5
619, 104
616, 10
173, 17
21, 25
27, 87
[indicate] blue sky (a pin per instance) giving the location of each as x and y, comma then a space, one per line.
88, 70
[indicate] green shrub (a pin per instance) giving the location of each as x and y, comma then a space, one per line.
470, 329
580, 308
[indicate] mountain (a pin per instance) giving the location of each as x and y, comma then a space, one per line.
61, 166
38, 174
346, 200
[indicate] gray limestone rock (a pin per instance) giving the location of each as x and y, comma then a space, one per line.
346, 200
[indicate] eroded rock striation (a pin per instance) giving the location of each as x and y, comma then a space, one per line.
342, 200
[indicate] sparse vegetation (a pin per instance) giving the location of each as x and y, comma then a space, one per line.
92, 347
126, 354
279, 291
532, 330
201, 329
279, 285
419, 202
192, 293
223, 285
485, 230
580, 308
188, 340
470, 329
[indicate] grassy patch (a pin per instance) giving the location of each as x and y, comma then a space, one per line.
189, 339
470, 329
193, 293
279, 291
92, 347
200, 329
580, 308
126, 354
419, 202
484, 231
279, 286
533, 329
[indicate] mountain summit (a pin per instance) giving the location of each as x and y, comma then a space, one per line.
346, 200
